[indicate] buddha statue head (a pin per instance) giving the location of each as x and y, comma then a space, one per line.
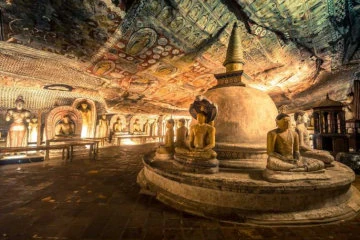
181, 122
103, 117
19, 103
84, 105
301, 117
34, 120
283, 121
170, 123
201, 117
66, 119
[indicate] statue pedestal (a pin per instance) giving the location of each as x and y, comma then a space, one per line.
283, 176
241, 156
243, 196
192, 162
163, 156
164, 153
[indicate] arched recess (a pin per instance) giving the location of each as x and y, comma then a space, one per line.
57, 114
90, 131
113, 120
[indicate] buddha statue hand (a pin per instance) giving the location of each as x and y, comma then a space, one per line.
198, 150
285, 159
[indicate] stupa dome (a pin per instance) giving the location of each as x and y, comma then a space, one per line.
245, 116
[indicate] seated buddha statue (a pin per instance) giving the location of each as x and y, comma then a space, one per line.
198, 156
166, 151
117, 126
136, 126
65, 127
181, 134
301, 119
283, 149
201, 139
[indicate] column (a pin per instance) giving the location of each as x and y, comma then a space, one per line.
326, 123
316, 122
336, 127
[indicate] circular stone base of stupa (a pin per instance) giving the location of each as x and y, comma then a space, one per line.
243, 196
241, 155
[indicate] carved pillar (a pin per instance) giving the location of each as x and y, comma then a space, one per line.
38, 139
342, 123
336, 127
316, 122
160, 124
327, 121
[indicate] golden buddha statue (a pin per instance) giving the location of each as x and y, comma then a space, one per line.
17, 131
117, 127
283, 149
136, 126
301, 119
65, 127
198, 156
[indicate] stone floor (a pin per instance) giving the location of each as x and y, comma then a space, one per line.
100, 199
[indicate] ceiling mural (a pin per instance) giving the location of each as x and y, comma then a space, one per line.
156, 55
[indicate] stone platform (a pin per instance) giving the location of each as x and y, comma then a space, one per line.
241, 155
244, 197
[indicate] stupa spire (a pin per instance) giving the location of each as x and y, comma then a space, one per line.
234, 56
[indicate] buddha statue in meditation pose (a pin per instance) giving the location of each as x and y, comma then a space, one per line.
65, 127
136, 126
201, 139
166, 151
198, 156
283, 149
301, 119
117, 127
17, 133
181, 134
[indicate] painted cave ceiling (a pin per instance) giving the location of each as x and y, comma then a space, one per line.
156, 55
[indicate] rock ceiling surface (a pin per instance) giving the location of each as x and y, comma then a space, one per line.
156, 55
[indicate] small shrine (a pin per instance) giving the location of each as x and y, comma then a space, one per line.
329, 126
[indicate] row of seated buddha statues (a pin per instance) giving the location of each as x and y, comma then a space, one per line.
135, 128
192, 149
288, 149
